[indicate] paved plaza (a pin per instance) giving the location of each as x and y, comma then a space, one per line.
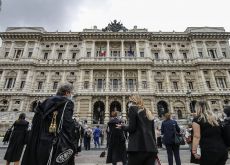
92, 157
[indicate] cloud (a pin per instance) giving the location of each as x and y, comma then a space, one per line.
51, 14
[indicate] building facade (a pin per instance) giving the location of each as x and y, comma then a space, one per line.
170, 70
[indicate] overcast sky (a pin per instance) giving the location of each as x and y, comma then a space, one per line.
75, 15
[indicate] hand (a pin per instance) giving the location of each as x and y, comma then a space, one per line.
196, 155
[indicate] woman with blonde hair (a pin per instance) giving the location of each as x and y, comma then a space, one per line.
142, 149
207, 134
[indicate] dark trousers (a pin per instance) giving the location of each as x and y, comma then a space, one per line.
213, 158
87, 146
173, 149
141, 158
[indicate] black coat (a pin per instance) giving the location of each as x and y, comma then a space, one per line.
141, 132
15, 148
39, 146
168, 131
116, 142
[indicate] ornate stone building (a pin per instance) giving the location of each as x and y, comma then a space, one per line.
171, 70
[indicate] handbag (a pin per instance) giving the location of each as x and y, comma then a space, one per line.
62, 149
178, 138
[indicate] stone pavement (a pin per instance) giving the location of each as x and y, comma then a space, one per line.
92, 157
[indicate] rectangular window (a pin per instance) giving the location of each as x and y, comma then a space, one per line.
156, 56
88, 54
57, 73
72, 73
6, 54
208, 84
74, 56
99, 84
159, 85
40, 83
144, 84
170, 56
142, 54
9, 83
22, 84
45, 56
175, 86
18, 53
200, 54
190, 85
224, 54
185, 56
30, 54
221, 83
59, 56
130, 84
212, 53
17, 102
86, 85
55, 85
115, 83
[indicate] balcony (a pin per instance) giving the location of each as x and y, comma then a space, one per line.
174, 77
159, 77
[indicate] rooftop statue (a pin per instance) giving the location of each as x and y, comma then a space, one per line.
115, 27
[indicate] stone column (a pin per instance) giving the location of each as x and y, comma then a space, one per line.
139, 80
123, 80
194, 49
63, 78
18, 80
80, 83
106, 109
83, 50
152, 106
227, 79
47, 84
2, 50
137, 49
37, 50
221, 105
29, 81
147, 50
219, 50
171, 106
21, 105
168, 83
227, 50
10, 105
93, 49
11, 53
214, 83
178, 55
53, 52
188, 105
108, 50
25, 52
205, 50
107, 80
66, 57
2, 79
203, 81
78, 105
91, 80
122, 49
183, 82
89, 115
123, 108
150, 78
163, 51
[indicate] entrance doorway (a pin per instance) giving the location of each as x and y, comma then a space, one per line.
162, 108
98, 112
115, 106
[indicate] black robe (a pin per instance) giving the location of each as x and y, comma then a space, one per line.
116, 142
16, 144
38, 149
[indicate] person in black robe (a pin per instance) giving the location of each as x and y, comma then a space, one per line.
116, 142
16, 143
40, 143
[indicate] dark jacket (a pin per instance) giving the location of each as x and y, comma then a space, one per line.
39, 146
141, 132
116, 142
168, 131
15, 148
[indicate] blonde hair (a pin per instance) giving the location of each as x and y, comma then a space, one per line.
167, 116
140, 104
205, 113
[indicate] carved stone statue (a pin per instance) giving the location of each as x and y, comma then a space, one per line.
115, 27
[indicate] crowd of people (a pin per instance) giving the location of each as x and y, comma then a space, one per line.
56, 137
